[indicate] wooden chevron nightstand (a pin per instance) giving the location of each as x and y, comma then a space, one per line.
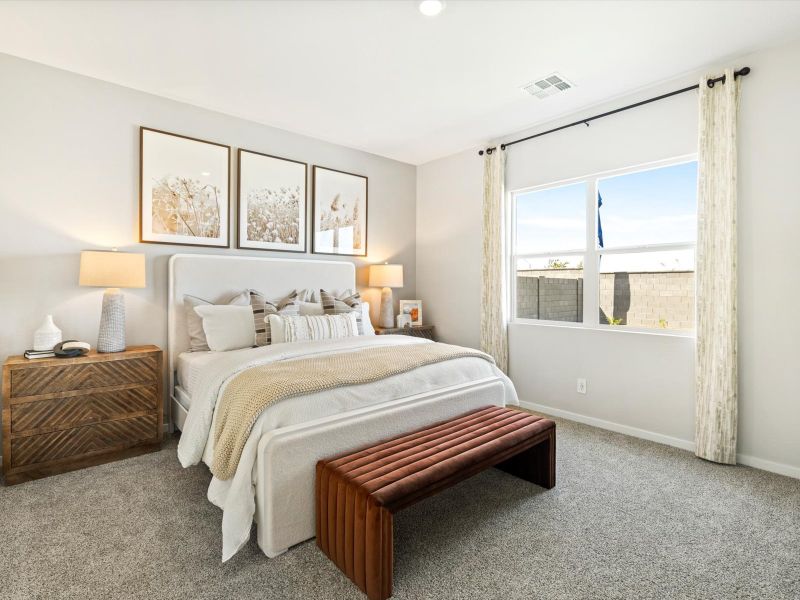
65, 414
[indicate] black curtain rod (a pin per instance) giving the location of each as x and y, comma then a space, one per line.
710, 83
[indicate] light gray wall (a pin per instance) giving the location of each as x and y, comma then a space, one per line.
643, 383
449, 245
69, 160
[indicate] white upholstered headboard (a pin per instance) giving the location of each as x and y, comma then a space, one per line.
216, 278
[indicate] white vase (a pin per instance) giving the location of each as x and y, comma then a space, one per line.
47, 336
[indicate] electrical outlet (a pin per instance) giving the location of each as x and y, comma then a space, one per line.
581, 386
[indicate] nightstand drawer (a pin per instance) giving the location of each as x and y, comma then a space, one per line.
52, 379
61, 413
95, 438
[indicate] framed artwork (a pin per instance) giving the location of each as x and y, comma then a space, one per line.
271, 203
339, 213
412, 308
184, 190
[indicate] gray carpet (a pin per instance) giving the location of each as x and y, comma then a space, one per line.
628, 519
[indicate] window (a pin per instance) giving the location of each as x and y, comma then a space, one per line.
612, 250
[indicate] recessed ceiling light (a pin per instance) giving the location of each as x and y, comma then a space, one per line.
431, 8
205, 174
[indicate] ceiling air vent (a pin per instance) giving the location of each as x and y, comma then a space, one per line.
547, 86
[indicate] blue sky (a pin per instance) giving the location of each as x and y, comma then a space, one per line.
648, 207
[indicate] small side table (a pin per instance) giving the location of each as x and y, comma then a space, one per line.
423, 331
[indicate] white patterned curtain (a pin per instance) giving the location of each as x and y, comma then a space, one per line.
494, 339
716, 372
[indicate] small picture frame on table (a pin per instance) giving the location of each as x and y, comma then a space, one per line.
412, 308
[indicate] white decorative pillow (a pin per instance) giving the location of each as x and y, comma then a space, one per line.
194, 324
311, 308
227, 327
366, 322
313, 328
277, 328
305, 295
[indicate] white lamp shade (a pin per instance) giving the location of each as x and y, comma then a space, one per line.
390, 276
112, 269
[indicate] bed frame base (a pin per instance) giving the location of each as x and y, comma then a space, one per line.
285, 511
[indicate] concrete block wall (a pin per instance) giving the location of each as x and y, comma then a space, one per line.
652, 300
550, 298
647, 299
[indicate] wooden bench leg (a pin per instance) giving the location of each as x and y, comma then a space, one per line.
537, 464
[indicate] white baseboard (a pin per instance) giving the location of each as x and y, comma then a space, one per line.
768, 465
611, 426
742, 459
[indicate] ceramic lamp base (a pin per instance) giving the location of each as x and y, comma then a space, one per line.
112, 322
387, 309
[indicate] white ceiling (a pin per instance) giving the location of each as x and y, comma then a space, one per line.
379, 76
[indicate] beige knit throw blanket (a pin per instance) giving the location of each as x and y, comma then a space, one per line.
254, 390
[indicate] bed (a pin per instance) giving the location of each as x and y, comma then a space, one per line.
274, 481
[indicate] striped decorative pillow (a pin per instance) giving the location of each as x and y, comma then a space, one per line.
262, 308
350, 303
323, 327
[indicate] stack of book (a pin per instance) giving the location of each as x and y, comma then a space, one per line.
39, 354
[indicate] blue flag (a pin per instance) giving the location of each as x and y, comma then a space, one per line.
599, 224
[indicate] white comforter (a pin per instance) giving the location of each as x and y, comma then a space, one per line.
236, 496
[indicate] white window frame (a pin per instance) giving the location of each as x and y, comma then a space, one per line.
590, 254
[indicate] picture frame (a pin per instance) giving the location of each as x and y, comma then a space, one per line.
413, 308
184, 190
271, 202
340, 207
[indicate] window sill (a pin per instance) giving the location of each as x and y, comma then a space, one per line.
614, 329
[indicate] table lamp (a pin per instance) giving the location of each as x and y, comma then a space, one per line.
112, 270
386, 276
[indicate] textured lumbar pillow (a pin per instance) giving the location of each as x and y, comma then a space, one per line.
262, 308
194, 324
349, 302
227, 327
312, 328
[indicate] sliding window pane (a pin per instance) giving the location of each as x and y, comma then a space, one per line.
550, 289
551, 220
653, 290
658, 206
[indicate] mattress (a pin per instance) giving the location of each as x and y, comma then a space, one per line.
190, 365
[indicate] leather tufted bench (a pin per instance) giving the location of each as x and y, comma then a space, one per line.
358, 493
